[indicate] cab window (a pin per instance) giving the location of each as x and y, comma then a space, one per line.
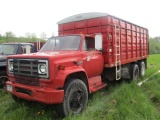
89, 44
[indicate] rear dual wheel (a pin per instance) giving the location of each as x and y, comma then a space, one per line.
134, 72
75, 98
142, 68
138, 70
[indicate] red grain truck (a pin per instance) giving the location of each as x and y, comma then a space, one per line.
91, 48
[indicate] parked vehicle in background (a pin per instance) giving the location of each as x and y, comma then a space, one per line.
7, 49
91, 49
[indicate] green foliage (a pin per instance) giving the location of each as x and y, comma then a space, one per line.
43, 35
9, 34
10, 37
154, 45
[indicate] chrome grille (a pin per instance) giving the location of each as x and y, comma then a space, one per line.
28, 68
25, 67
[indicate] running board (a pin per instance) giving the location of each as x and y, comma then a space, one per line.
97, 87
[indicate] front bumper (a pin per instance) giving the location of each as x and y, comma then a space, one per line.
32, 93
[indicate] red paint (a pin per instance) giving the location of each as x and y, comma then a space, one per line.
44, 95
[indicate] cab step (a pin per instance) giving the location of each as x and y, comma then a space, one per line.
98, 86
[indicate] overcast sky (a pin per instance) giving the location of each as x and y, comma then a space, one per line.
37, 16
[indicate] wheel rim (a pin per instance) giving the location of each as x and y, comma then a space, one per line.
143, 70
76, 100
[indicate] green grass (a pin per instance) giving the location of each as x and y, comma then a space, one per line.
119, 101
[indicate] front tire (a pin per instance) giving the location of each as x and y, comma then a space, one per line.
16, 99
75, 98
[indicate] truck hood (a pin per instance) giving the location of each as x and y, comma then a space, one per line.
46, 54
56, 54
55, 58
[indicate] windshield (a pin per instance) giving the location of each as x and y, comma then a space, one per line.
62, 43
8, 49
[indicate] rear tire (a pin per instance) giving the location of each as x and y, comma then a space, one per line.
134, 72
142, 68
75, 98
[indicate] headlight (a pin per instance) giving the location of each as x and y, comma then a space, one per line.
10, 65
43, 68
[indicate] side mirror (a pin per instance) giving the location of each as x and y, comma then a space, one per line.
98, 42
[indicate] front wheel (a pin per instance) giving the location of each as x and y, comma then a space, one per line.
16, 99
75, 98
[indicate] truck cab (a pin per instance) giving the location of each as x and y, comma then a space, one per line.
80, 45
63, 60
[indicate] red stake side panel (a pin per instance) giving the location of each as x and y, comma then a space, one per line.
133, 38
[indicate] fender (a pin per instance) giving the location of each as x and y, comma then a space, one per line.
62, 75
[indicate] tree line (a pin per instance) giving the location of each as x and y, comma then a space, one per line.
154, 43
29, 37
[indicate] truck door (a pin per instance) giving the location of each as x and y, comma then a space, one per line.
92, 59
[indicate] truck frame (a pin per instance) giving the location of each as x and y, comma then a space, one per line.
91, 49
